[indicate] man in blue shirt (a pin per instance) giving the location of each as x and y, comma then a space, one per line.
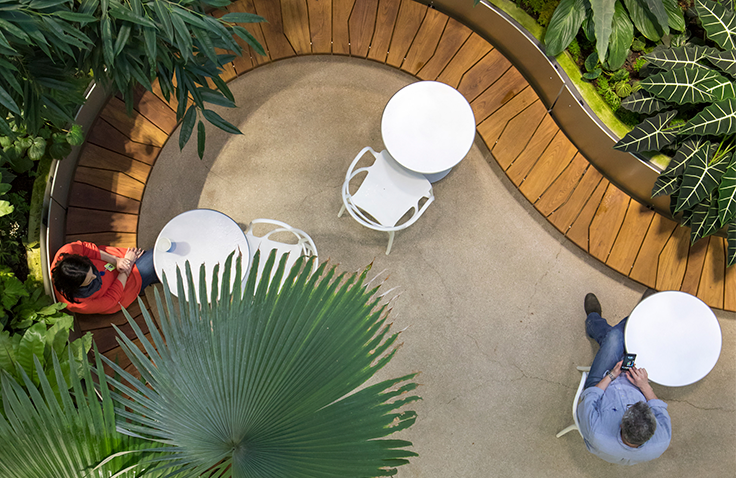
621, 419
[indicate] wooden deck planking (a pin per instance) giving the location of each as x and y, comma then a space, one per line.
295, 14
492, 127
729, 294
537, 148
645, 265
154, 110
563, 186
551, 164
485, 73
517, 134
469, 54
113, 181
273, 30
87, 221
452, 39
85, 195
104, 134
94, 156
607, 222
712, 279
320, 25
89, 322
695, 264
579, 231
410, 17
388, 11
426, 41
255, 29
564, 216
630, 238
361, 25
673, 260
498, 93
241, 63
117, 239
135, 127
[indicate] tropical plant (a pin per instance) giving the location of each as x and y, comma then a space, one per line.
610, 24
701, 177
261, 380
49, 48
23, 149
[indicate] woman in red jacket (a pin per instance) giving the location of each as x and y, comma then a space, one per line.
100, 280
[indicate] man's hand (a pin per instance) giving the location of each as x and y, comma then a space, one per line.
617, 369
640, 378
606, 381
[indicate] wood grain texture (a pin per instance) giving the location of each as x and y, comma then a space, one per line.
551, 164
712, 279
361, 26
103, 134
607, 222
505, 89
117, 239
113, 181
579, 232
562, 188
645, 265
485, 73
154, 110
672, 261
255, 29
555, 141
94, 156
695, 264
469, 54
492, 127
564, 216
517, 134
273, 30
89, 322
630, 237
84, 195
85, 221
453, 38
729, 294
426, 41
341, 10
320, 25
410, 17
136, 127
295, 16
241, 63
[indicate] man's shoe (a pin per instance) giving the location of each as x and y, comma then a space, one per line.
591, 304
647, 293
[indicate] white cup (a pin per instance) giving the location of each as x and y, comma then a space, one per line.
164, 244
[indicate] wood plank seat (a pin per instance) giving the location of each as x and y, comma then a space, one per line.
512, 121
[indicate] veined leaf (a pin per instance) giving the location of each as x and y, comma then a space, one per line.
563, 26
643, 102
649, 135
718, 22
712, 224
622, 34
700, 178
727, 194
682, 57
681, 86
679, 161
703, 219
721, 89
674, 15
716, 119
731, 243
603, 23
723, 60
665, 185
643, 20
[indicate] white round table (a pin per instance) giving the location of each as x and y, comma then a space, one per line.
675, 336
428, 127
200, 236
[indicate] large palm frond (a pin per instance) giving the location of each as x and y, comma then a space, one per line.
262, 382
71, 435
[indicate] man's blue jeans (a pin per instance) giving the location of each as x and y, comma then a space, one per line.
146, 269
611, 340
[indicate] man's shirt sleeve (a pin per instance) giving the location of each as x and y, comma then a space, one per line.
589, 410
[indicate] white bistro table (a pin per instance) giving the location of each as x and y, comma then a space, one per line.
675, 336
200, 236
428, 127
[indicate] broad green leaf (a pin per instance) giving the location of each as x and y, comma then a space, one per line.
674, 15
563, 26
217, 120
682, 57
727, 194
32, 343
122, 39
721, 89
7, 101
8, 351
656, 8
5, 208
57, 336
11, 290
242, 17
187, 125
622, 34
37, 149
215, 97
201, 139
712, 224
723, 60
716, 119
603, 23
649, 135
679, 162
718, 23
665, 185
643, 20
682, 86
247, 37
75, 136
703, 219
700, 178
643, 102
731, 243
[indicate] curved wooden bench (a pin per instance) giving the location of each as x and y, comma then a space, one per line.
512, 120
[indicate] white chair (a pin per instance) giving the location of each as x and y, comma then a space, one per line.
388, 192
576, 425
304, 246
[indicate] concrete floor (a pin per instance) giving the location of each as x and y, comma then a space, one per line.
490, 293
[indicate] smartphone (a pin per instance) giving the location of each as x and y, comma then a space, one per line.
628, 362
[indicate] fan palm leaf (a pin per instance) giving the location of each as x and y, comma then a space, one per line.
52, 432
262, 382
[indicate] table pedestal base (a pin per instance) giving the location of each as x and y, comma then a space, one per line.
433, 178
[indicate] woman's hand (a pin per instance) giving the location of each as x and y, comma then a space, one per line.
133, 254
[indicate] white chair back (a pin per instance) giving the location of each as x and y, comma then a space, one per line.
576, 426
302, 245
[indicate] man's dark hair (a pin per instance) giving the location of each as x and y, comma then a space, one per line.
638, 424
69, 274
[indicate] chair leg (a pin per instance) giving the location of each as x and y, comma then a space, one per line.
567, 430
390, 242
342, 210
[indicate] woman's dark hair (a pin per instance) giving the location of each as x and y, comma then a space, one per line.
69, 274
